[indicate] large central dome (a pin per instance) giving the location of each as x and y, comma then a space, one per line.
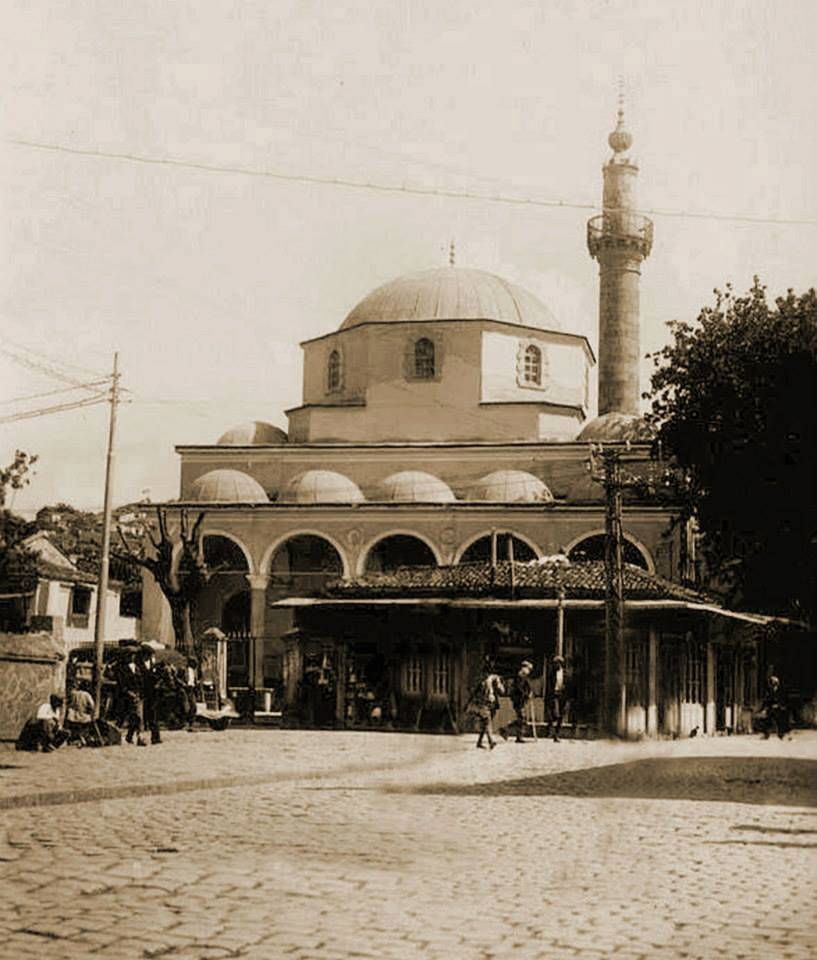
451, 293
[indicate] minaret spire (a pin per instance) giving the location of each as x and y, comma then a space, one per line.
620, 239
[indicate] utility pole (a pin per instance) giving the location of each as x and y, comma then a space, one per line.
104, 564
614, 650
615, 665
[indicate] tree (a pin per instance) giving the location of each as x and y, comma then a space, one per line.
178, 566
18, 566
734, 401
15, 475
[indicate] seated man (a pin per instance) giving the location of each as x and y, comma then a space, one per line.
43, 729
80, 714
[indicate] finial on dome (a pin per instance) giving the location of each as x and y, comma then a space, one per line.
620, 139
451, 254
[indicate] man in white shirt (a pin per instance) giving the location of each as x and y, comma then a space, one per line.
43, 730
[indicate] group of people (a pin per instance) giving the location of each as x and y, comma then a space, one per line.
138, 687
484, 701
135, 689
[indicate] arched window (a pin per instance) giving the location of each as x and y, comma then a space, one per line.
333, 372
533, 365
424, 359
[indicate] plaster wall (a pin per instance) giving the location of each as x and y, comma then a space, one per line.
54, 600
378, 368
564, 370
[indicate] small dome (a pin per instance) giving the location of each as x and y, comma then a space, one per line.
322, 486
510, 486
227, 486
617, 426
451, 293
252, 433
415, 486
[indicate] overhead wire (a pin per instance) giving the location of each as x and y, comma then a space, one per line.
59, 408
51, 393
394, 188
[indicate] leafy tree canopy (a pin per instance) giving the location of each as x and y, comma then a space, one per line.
734, 401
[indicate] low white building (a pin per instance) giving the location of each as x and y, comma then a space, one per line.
68, 596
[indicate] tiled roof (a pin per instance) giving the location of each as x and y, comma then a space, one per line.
538, 579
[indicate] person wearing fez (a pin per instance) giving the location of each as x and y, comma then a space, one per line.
520, 692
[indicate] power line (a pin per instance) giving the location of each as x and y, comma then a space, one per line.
59, 408
393, 188
87, 371
51, 393
47, 368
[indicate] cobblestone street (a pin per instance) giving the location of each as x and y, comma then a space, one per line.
266, 844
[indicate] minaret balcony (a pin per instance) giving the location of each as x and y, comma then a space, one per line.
619, 230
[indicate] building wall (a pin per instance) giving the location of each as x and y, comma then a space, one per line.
54, 600
447, 529
563, 376
27, 678
476, 362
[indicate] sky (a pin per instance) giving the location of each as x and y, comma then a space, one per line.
205, 280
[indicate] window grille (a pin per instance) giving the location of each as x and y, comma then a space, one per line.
333, 371
533, 365
424, 359
636, 659
414, 674
694, 674
440, 674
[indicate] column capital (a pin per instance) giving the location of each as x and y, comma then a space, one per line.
257, 581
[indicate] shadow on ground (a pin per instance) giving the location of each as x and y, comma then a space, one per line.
759, 780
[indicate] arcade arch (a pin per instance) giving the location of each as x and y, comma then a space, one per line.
303, 562
397, 549
590, 546
479, 548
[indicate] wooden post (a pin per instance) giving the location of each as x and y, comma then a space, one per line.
652, 683
102, 583
709, 709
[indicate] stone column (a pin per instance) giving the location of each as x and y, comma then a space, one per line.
709, 712
652, 683
258, 622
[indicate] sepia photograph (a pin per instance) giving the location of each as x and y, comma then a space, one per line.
408, 480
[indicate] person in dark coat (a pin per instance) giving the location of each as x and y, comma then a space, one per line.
775, 708
520, 693
151, 693
556, 696
131, 686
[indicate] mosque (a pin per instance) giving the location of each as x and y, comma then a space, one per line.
445, 426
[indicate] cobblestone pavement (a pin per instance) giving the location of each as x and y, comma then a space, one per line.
401, 846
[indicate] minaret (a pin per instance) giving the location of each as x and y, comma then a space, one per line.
619, 239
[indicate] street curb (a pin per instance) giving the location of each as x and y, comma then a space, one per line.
58, 797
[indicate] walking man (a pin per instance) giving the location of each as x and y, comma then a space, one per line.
151, 693
485, 703
131, 685
556, 684
520, 691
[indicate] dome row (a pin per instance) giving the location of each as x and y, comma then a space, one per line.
408, 486
608, 426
